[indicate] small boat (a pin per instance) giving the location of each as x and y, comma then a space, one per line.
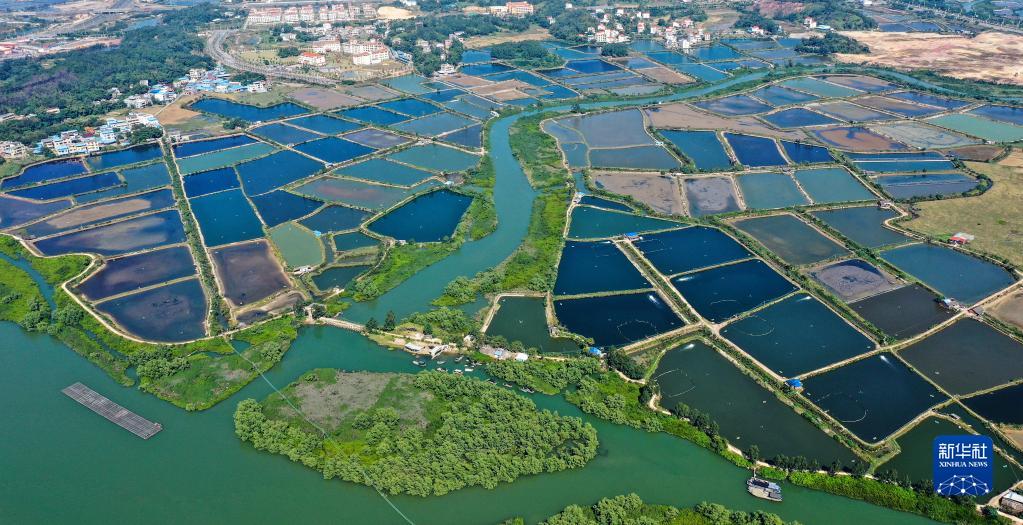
527, 390
441, 369
469, 369
418, 362
507, 385
459, 359
763, 489
491, 381
441, 362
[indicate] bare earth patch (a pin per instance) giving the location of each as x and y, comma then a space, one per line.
1009, 310
683, 116
990, 56
660, 192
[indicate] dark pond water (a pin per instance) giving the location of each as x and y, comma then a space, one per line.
904, 312
445, 95
755, 151
702, 147
795, 241
171, 313
722, 292
780, 96
1012, 115
413, 107
335, 219
273, 171
637, 157
955, 274
684, 250
206, 182
770, 190
615, 320
590, 200
587, 267
135, 180
334, 150
734, 105
374, 115
126, 236
591, 66
69, 187
15, 211
797, 335
382, 170
138, 271
825, 185
967, 356
931, 100
714, 52
430, 218
337, 276
284, 133
748, 414
103, 212
805, 153
1002, 406
863, 225
124, 157
483, 69
524, 319
248, 272
872, 397
229, 109
710, 196
188, 149
325, 124
279, 206
594, 223
55, 169
376, 138
470, 137
797, 118
225, 217
352, 241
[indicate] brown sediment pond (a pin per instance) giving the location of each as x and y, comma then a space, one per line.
248, 272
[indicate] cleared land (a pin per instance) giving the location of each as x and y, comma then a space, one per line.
994, 217
533, 33
990, 56
1009, 310
683, 116
660, 192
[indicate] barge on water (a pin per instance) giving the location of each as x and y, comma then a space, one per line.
763, 489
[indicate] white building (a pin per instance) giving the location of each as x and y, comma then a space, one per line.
312, 59
13, 150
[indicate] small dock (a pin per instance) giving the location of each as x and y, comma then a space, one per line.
115, 413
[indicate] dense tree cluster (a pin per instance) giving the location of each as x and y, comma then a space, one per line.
405, 34
544, 375
749, 19
530, 53
831, 43
572, 24
621, 362
615, 50
631, 510
478, 434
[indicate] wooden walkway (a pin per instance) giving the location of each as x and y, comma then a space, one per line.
115, 413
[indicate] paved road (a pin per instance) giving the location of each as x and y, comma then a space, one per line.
215, 48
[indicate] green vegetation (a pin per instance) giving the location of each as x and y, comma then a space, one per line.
835, 13
404, 34
537, 152
446, 323
529, 54
631, 510
20, 298
78, 82
289, 51
544, 375
571, 25
422, 435
615, 50
748, 19
831, 43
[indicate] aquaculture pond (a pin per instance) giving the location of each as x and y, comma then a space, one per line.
857, 138
734, 105
225, 218
325, 124
714, 52
385, 171
854, 279
755, 151
273, 171
953, 273
863, 225
436, 124
54, 169
931, 100
795, 241
903, 312
134, 272
14, 212
206, 182
171, 313
337, 277
797, 118
780, 96
612, 320
297, 245
223, 158
797, 335
770, 190
637, 157
356, 193
725, 291
124, 157
701, 147
410, 106
588, 267
904, 162
819, 87
850, 112
1010, 114
1001, 406
284, 134
747, 413
801, 153
374, 115
334, 219
376, 138
248, 272
188, 149
524, 319
230, 109
872, 397
69, 187
137, 179
280, 206
333, 150
980, 127
926, 185
126, 236
967, 356
353, 241
594, 223
436, 157
825, 185
590, 200
710, 196
470, 137
90, 214
688, 249
430, 218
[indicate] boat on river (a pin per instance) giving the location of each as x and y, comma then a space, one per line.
763, 489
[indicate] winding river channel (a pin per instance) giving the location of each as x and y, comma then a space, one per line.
62, 463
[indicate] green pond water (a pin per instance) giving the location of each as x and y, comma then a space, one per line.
524, 319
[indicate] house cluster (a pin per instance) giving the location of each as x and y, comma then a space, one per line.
682, 34
363, 52
198, 80
13, 150
810, 23
309, 13
89, 140
508, 9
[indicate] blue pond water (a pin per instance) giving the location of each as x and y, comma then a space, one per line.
591, 66
472, 56
714, 52
410, 106
126, 236
617, 319
832, 185
335, 219
639, 157
337, 276
688, 249
931, 100
770, 190
520, 75
702, 147
953, 273
16, 211
926, 185
755, 151
734, 105
171, 313
670, 58
470, 137
797, 117
444, 95
229, 109
137, 179
212, 181
69, 187
225, 217
430, 218
273, 171
801, 153
903, 165
56, 169
590, 200
722, 292
483, 69
278, 207
780, 96
702, 72
1012, 115
104, 212
138, 271
382, 170
588, 267
374, 115
188, 149
324, 124
284, 133
863, 225
353, 241
334, 150
114, 159
797, 335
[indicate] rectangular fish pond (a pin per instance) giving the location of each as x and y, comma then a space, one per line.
248, 272
206, 182
781, 96
903, 312
134, 272
797, 118
590, 267
43, 172
436, 158
825, 185
967, 357
763, 191
676, 251
138, 179
333, 150
189, 149
596, 223
124, 157
223, 158
384, 171
734, 105
795, 241
710, 196
854, 279
91, 214
723, 292
225, 218
69, 187
429, 218
755, 151
129, 235
297, 245
337, 277
230, 109
524, 319
1000, 406
357, 193
376, 138
276, 170
926, 184
280, 206
284, 134
953, 273
701, 147
800, 153
335, 218
863, 225
171, 313
614, 320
